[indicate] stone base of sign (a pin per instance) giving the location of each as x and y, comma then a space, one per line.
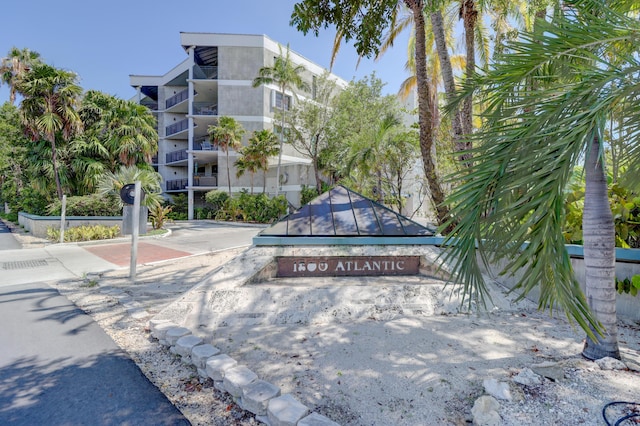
246, 291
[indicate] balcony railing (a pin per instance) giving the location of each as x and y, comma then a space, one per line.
179, 155
205, 180
177, 184
181, 184
177, 127
177, 98
153, 106
205, 108
205, 72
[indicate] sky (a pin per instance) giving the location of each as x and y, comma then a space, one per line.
106, 41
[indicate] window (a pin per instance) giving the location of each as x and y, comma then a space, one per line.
278, 101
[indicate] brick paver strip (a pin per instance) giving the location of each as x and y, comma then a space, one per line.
120, 254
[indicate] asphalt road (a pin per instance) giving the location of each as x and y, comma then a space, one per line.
57, 366
7, 241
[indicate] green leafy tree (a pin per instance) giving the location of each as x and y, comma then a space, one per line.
226, 135
14, 66
365, 21
13, 159
548, 106
48, 108
286, 75
310, 121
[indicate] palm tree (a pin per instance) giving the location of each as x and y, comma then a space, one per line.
285, 74
13, 67
255, 156
511, 204
150, 182
49, 108
226, 135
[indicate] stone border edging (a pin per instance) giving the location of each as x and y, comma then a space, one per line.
259, 397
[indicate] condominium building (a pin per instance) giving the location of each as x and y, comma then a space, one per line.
215, 80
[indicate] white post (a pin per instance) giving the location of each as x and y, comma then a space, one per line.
135, 230
62, 218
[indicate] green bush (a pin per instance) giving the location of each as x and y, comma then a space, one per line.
625, 206
308, 193
11, 217
253, 208
87, 205
84, 233
216, 199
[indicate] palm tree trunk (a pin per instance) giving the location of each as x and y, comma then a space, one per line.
228, 174
425, 115
599, 256
469, 17
437, 26
54, 159
282, 88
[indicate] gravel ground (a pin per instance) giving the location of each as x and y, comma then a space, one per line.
406, 370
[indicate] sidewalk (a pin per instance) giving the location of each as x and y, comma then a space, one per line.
52, 262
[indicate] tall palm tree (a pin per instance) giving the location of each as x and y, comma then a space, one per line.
226, 135
49, 108
286, 75
13, 67
255, 156
511, 204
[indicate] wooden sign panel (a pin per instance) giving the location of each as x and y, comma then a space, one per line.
347, 266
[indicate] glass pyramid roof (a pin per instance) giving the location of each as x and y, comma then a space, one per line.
342, 212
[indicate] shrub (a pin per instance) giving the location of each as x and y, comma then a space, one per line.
84, 233
253, 208
216, 199
87, 205
625, 206
179, 207
158, 215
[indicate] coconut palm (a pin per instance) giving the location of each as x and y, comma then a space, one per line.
226, 135
548, 105
13, 67
49, 108
285, 74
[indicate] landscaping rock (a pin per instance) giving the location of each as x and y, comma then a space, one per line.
236, 378
285, 410
485, 411
217, 365
256, 396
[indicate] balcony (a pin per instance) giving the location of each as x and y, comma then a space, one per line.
198, 181
205, 108
177, 98
153, 106
205, 72
174, 128
208, 181
175, 156
177, 184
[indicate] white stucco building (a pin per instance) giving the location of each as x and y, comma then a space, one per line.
215, 80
